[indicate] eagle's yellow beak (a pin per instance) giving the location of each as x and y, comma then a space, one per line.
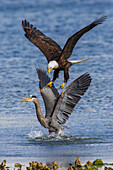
49, 70
26, 99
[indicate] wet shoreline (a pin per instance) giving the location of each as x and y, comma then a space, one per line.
54, 165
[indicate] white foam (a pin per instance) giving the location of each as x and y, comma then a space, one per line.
35, 134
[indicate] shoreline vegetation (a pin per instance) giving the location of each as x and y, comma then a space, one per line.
95, 165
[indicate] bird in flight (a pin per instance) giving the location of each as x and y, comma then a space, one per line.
56, 56
58, 108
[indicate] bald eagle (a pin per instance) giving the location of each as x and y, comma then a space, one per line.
57, 57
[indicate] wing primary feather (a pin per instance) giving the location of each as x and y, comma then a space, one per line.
70, 97
100, 20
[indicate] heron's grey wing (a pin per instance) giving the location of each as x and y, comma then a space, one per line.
49, 94
69, 98
71, 42
48, 46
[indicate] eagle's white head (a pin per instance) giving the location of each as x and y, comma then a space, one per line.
52, 65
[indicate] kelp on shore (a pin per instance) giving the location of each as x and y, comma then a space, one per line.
54, 165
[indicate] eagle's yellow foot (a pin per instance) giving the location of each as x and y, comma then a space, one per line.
62, 85
49, 84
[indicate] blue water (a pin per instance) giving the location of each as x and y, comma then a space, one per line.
90, 133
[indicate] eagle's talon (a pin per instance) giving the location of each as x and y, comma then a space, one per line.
62, 85
49, 84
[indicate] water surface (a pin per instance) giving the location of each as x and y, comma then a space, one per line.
90, 133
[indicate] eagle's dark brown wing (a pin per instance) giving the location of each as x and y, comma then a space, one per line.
71, 42
49, 47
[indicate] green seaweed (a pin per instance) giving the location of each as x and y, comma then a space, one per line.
91, 168
18, 165
98, 162
108, 168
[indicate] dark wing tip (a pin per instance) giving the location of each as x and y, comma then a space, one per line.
24, 23
86, 75
100, 20
27, 27
85, 79
44, 80
81, 84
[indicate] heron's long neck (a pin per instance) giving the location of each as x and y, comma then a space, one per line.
38, 110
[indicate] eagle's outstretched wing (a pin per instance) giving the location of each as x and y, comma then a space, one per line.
71, 42
49, 47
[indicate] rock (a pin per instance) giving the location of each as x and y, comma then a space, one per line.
3, 164
55, 165
46, 168
33, 165
40, 166
28, 168
70, 166
89, 164
78, 164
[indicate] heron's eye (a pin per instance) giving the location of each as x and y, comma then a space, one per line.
33, 96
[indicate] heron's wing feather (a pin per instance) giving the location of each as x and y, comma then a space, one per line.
49, 94
48, 46
71, 42
69, 98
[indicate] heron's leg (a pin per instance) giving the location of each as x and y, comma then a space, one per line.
60, 133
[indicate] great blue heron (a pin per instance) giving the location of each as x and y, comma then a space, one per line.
57, 57
58, 107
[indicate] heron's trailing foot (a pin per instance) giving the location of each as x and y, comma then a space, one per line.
78, 61
62, 85
49, 84
50, 133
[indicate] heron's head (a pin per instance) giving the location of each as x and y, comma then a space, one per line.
30, 99
52, 65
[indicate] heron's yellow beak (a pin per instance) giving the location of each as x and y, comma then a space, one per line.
49, 70
26, 99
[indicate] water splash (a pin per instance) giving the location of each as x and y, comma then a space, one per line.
35, 134
40, 135
60, 138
